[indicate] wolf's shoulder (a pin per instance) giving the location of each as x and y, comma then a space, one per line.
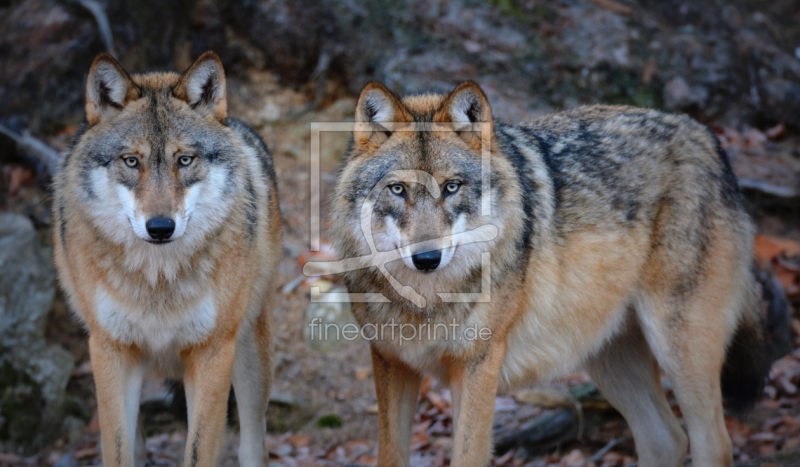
253, 140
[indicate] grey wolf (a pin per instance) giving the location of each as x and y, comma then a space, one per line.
167, 239
622, 246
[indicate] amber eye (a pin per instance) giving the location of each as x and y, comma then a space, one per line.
452, 187
185, 161
131, 162
397, 189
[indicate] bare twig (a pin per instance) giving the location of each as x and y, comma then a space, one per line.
99, 12
599, 454
46, 155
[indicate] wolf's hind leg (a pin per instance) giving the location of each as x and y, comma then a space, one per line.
689, 340
252, 376
628, 376
139, 450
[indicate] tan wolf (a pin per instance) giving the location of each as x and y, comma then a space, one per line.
167, 239
617, 240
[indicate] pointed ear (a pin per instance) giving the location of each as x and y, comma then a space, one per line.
202, 86
466, 108
108, 89
377, 106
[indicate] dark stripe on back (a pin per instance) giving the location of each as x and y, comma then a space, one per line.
251, 208
508, 146
731, 193
255, 141
550, 163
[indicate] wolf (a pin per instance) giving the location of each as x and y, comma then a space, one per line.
167, 237
617, 241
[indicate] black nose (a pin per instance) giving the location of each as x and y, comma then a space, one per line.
427, 260
160, 228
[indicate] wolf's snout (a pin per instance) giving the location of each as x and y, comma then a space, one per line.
160, 228
427, 260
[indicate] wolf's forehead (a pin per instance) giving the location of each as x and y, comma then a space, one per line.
423, 104
402, 164
437, 151
157, 117
156, 81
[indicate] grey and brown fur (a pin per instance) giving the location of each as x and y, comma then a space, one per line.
194, 306
622, 246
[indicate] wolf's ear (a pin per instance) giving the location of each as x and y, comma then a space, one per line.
108, 89
468, 110
377, 109
203, 87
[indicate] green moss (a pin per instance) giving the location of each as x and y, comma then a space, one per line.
21, 404
77, 408
330, 421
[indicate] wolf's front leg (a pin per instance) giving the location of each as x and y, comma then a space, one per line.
118, 381
208, 373
474, 386
252, 377
397, 387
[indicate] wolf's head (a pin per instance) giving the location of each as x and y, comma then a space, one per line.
154, 163
418, 180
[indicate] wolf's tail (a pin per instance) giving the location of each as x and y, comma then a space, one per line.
758, 341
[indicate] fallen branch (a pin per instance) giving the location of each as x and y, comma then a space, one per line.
542, 433
45, 155
768, 188
611, 5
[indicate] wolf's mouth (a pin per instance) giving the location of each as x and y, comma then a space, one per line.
159, 242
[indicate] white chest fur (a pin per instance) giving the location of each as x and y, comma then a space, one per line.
155, 328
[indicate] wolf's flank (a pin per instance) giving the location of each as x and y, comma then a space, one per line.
621, 245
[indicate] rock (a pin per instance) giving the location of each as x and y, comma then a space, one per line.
48, 46
330, 324
33, 373
783, 97
790, 458
678, 95
712, 59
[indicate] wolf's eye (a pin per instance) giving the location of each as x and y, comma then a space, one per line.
131, 162
397, 189
451, 187
185, 161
